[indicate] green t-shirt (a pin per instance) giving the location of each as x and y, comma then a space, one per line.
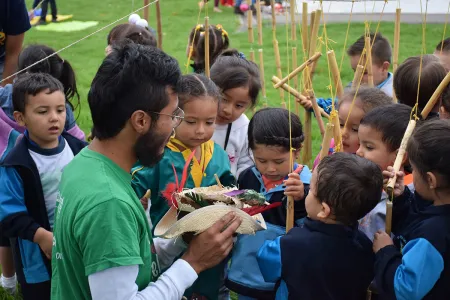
99, 224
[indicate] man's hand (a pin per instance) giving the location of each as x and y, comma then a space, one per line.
44, 239
294, 187
381, 240
209, 248
399, 186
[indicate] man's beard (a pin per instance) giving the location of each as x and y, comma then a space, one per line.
149, 148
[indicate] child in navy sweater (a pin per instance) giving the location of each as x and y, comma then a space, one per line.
327, 257
415, 265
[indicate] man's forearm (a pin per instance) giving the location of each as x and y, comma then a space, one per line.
13, 47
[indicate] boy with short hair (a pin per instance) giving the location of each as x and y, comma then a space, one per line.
381, 61
30, 175
442, 51
327, 256
380, 134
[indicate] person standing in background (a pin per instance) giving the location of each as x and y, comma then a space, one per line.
14, 22
42, 20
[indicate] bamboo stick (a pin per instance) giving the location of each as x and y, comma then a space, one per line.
305, 27
297, 95
307, 144
146, 2
299, 69
159, 24
398, 12
276, 51
400, 155
293, 25
388, 227
369, 62
311, 27
207, 65
314, 32
148, 194
261, 72
252, 55
316, 110
357, 77
294, 66
337, 133
259, 20
326, 140
274, 20
251, 38
290, 212
218, 181
335, 73
435, 97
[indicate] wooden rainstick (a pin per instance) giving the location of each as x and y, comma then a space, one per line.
316, 110
357, 77
398, 12
290, 213
274, 20
207, 65
299, 69
146, 2
276, 50
303, 100
261, 72
326, 140
293, 24
313, 38
369, 62
159, 25
259, 21
335, 74
304, 29
435, 97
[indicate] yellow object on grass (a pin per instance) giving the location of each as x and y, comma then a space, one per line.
48, 18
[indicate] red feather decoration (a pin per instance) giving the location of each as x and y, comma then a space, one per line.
171, 188
254, 210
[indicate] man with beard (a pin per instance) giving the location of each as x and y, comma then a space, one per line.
102, 246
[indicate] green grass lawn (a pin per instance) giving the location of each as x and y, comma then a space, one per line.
179, 16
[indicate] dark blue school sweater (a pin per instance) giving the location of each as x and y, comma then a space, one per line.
417, 267
319, 261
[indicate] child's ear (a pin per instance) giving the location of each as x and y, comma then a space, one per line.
18, 116
324, 212
443, 113
431, 180
386, 66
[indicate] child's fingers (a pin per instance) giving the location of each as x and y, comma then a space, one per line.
294, 175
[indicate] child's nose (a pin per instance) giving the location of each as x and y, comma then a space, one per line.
359, 152
226, 109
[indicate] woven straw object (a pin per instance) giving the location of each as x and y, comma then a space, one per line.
203, 218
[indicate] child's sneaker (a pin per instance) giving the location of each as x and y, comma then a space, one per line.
9, 284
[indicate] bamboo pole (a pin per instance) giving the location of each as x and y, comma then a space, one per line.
299, 69
252, 55
259, 20
146, 2
337, 133
369, 62
435, 97
389, 206
312, 46
396, 45
305, 27
307, 144
278, 65
326, 140
316, 110
357, 77
293, 25
261, 72
159, 25
274, 20
290, 212
295, 78
398, 12
298, 95
251, 38
311, 27
335, 73
207, 65
400, 155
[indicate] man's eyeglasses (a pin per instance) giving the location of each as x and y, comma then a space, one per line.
177, 116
